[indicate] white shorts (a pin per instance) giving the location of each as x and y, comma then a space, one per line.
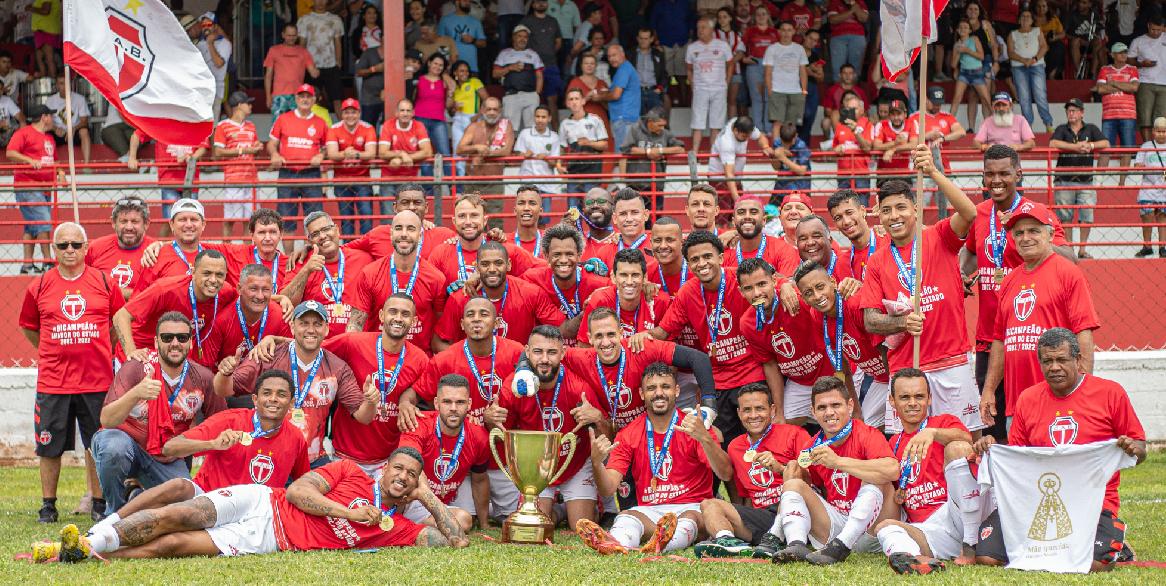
797, 400
708, 109
244, 520
237, 203
580, 487
877, 400
944, 531
866, 544
954, 391
654, 512
417, 513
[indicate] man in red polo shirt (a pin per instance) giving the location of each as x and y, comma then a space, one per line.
36, 148
119, 254
330, 274
352, 143
266, 229
296, 149
403, 145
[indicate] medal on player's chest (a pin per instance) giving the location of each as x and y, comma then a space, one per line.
749, 456
246, 439
998, 275
299, 417
805, 460
339, 310
386, 523
838, 374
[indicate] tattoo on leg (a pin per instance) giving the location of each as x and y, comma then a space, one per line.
137, 529
430, 537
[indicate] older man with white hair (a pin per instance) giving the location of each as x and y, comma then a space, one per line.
1005, 127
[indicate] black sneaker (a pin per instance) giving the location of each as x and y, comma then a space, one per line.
794, 552
48, 514
768, 545
1162, 252
98, 511
905, 563
1143, 253
834, 552
28, 269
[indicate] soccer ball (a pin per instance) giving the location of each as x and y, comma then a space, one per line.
525, 384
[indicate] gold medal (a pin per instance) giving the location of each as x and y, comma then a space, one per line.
246, 439
749, 456
999, 275
386, 522
652, 485
298, 417
804, 459
838, 374
571, 215
339, 310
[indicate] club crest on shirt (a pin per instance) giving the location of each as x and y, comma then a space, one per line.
552, 418
840, 481
122, 273
359, 502
327, 291
850, 347
760, 476
260, 468
627, 330
916, 470
665, 467
724, 324
624, 400
445, 466
1024, 304
492, 384
1063, 430
311, 131
782, 344
73, 306
903, 281
501, 328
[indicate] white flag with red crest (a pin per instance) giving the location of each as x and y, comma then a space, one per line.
904, 24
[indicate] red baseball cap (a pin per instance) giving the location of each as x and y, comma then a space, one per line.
306, 88
1031, 209
797, 197
350, 103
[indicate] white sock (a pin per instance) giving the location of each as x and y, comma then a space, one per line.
895, 539
108, 521
793, 518
723, 533
104, 539
627, 530
964, 493
684, 536
867, 504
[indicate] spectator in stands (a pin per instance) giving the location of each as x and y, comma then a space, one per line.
370, 34
630, 15
215, 47
805, 18
10, 77
1121, 29
370, 67
597, 48
540, 148
1152, 196
592, 86
520, 70
1076, 140
847, 20
815, 77
466, 32
1005, 15
728, 160
171, 162
46, 32
1004, 127
296, 149
413, 60
566, 13
1026, 50
791, 159
509, 14
968, 61
404, 144
941, 128
487, 139
322, 31
673, 21
650, 66
11, 118
80, 118
727, 31
283, 71
648, 146
115, 134
786, 77
894, 140
32, 146
581, 42
546, 40
1083, 27
852, 141
707, 67
434, 94
832, 101
237, 142
430, 43
352, 143
582, 133
416, 14
710, 7
1117, 84
1050, 26
623, 98
1148, 54
468, 94
758, 38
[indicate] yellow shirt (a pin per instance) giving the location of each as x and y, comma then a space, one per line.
47, 23
322, 112
466, 96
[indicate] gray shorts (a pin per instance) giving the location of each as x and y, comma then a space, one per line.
786, 107
708, 109
1151, 103
1080, 197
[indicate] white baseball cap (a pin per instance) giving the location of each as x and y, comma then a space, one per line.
187, 205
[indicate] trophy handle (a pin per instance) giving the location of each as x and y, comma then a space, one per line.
573, 441
495, 435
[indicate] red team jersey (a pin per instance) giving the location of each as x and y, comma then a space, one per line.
693, 306
854, 159
172, 264
226, 337
520, 309
171, 173
585, 284
1097, 410
859, 346
884, 131
320, 289
544, 413
378, 242
122, 266
361, 135
232, 136
453, 361
926, 488
299, 138
1054, 294
428, 294
374, 442
840, 488
794, 342
645, 317
941, 122
438, 454
37, 145
403, 139
241, 255
670, 284
445, 258
73, 319
173, 294
944, 342
778, 253
271, 460
601, 390
684, 477
1118, 105
760, 486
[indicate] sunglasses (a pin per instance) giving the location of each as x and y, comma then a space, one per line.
595, 202
66, 245
168, 338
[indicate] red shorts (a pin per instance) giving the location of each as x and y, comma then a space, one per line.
40, 39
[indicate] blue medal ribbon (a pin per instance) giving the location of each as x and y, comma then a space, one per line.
538, 242
412, 275
182, 256
198, 338
834, 351
904, 464
446, 471
999, 238
656, 459
714, 320
683, 276
274, 268
337, 284
181, 381
634, 245
760, 250
462, 274
833, 261
613, 396
376, 495
257, 430
870, 250
762, 321
474, 366
821, 437
907, 274
753, 445
294, 367
554, 401
387, 389
246, 330
505, 294
569, 309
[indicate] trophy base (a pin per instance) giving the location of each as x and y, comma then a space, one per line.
525, 529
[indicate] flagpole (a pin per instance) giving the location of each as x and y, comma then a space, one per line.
69, 142
917, 243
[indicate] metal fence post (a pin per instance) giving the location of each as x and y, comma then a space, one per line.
438, 189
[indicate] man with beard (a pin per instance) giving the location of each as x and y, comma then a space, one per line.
751, 242
204, 293
671, 266
1005, 127
334, 507
237, 330
325, 277
598, 207
701, 208
393, 365
456, 260
528, 204
406, 272
319, 377
672, 471
488, 138
119, 254
152, 399
630, 221
410, 197
891, 278
849, 215
161, 260
625, 296
563, 279
853, 351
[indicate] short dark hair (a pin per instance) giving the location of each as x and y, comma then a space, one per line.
752, 265
1054, 338
401, 295
807, 267
828, 384
628, 194
630, 256
208, 253
665, 221
409, 451
601, 312
264, 216
563, 232
129, 204
846, 65
492, 246
525, 187
453, 380
699, 237
909, 372
548, 331
701, 188
270, 374
543, 108
787, 133
1002, 151
172, 317
756, 388
410, 186
893, 187
842, 196
743, 124
658, 369
815, 218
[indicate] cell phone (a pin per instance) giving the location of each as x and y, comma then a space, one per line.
849, 114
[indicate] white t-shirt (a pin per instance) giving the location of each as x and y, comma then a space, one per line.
319, 31
547, 143
786, 61
1049, 501
708, 61
727, 148
1152, 155
12, 81
223, 46
56, 103
589, 127
1146, 49
9, 109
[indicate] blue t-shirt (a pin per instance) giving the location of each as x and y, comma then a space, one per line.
801, 156
627, 107
456, 25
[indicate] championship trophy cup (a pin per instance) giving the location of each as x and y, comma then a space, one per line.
531, 461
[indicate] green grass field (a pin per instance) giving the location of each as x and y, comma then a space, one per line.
1143, 508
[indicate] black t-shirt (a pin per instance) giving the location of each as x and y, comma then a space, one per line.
1088, 133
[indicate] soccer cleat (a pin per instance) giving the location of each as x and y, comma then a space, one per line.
74, 546
794, 552
47, 514
665, 529
596, 538
905, 563
722, 547
834, 552
45, 551
767, 546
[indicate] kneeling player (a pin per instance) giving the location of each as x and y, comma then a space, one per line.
336, 506
936, 488
672, 472
836, 491
759, 458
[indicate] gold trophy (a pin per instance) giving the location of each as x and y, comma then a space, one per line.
531, 461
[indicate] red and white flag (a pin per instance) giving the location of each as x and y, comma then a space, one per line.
904, 24
137, 55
